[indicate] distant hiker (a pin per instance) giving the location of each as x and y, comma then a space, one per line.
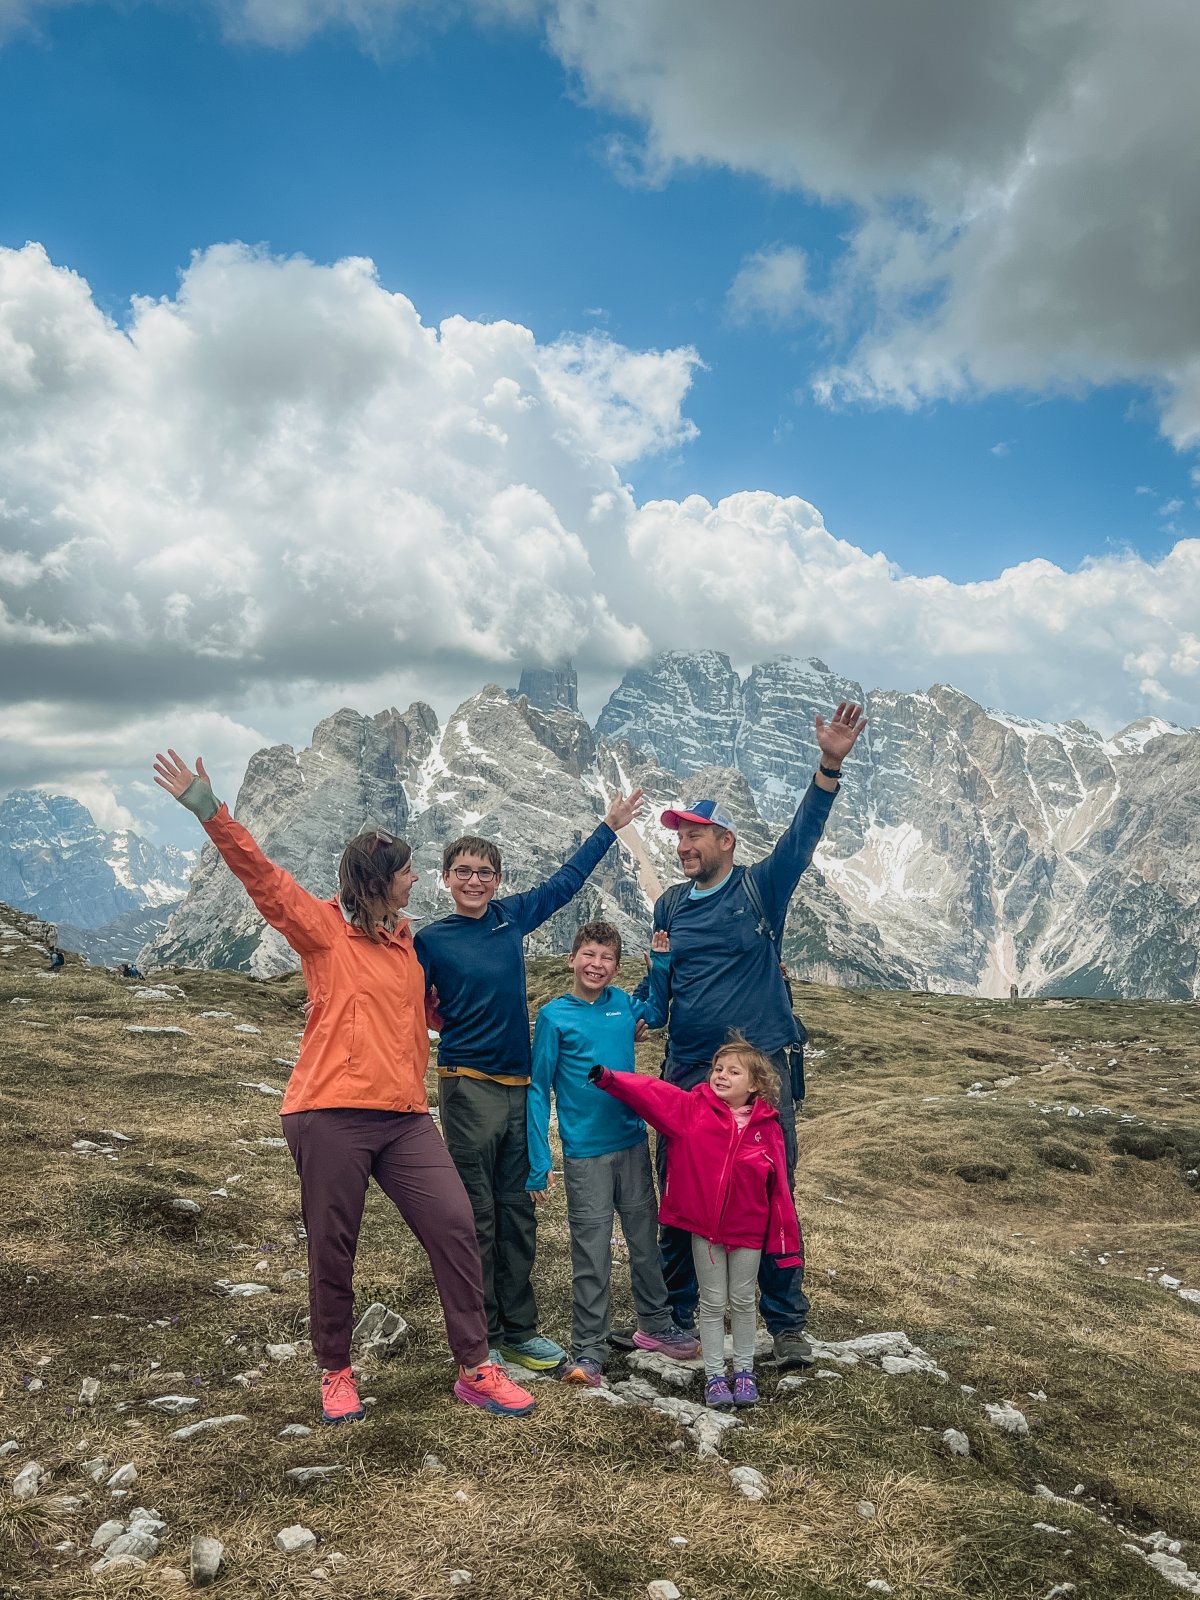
128, 970
730, 1192
474, 963
57, 959
726, 925
355, 1106
606, 1154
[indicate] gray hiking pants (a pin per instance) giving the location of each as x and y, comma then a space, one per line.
726, 1277
598, 1186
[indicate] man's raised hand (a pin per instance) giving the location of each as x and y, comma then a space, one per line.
624, 809
836, 737
174, 775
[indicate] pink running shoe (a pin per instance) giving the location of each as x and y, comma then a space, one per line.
678, 1343
745, 1390
493, 1390
339, 1396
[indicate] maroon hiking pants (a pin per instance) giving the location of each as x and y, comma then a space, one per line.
336, 1153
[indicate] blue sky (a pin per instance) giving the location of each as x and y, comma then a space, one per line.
466, 165
890, 260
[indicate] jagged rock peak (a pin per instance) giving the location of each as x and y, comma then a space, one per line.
551, 688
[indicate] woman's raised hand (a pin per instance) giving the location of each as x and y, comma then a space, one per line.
174, 775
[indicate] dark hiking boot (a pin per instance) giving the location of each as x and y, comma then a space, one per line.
792, 1350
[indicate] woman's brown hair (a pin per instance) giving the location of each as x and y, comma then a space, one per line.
764, 1080
365, 873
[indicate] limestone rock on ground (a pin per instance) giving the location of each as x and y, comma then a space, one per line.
1006, 1417
27, 1482
296, 1540
956, 1442
190, 1432
206, 1558
379, 1332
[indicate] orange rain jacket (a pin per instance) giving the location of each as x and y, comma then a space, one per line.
366, 1045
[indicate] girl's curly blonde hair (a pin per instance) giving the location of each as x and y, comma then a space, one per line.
764, 1080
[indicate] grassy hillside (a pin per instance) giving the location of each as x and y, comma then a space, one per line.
1017, 1243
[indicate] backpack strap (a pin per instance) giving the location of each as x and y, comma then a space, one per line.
673, 898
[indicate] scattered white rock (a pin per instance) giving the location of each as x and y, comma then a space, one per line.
122, 1478
295, 1430
751, 1482
956, 1442
68, 1505
153, 992
88, 1390
896, 1365
1042, 1491
303, 1475
106, 1533
1059, 1592
879, 1586
207, 1555
662, 1589
460, 1578
380, 1332
431, 1464
677, 1542
222, 1014
296, 1540
1006, 1417
136, 1027
1166, 1281
865, 1509
822, 1372
194, 1428
27, 1482
242, 1291
134, 1543
98, 1468
679, 1374
173, 1404
282, 1352
1170, 1567
115, 1563
190, 1207
9, 1448
1048, 1527
461, 1497
1192, 1296
245, 1027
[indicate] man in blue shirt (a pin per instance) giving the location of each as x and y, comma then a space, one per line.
725, 976
474, 962
606, 1156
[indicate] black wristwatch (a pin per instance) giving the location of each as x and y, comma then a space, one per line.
830, 772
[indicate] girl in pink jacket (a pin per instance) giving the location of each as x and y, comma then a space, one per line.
727, 1185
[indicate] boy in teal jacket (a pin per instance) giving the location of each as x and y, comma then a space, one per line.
606, 1155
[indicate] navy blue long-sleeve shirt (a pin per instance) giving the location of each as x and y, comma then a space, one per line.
724, 966
477, 966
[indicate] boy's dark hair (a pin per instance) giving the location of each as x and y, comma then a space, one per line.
764, 1080
597, 933
365, 878
470, 845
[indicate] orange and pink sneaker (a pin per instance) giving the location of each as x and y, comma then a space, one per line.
339, 1396
493, 1390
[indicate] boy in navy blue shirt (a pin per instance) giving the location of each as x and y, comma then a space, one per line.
474, 962
606, 1155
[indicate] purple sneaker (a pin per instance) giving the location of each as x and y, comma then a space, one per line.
717, 1393
745, 1390
675, 1342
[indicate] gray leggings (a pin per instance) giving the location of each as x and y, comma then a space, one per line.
725, 1277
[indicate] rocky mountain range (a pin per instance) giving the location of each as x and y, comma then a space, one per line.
968, 850
108, 891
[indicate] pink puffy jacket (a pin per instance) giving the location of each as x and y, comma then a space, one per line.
725, 1184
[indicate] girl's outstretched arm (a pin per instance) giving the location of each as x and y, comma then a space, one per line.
663, 1105
300, 917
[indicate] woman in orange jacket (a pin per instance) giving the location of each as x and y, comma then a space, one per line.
355, 1106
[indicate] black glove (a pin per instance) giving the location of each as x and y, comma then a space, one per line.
595, 1074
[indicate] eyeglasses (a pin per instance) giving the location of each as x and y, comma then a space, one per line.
465, 874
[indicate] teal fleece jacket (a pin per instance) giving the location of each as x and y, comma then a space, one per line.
571, 1037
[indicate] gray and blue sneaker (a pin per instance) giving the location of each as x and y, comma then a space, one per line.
536, 1353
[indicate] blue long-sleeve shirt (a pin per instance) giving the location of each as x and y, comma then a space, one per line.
570, 1038
477, 966
724, 963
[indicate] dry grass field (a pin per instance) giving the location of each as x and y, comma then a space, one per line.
1017, 1243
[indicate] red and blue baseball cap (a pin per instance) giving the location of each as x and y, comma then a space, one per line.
706, 811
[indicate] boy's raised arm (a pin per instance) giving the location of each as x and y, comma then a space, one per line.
538, 905
651, 1000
